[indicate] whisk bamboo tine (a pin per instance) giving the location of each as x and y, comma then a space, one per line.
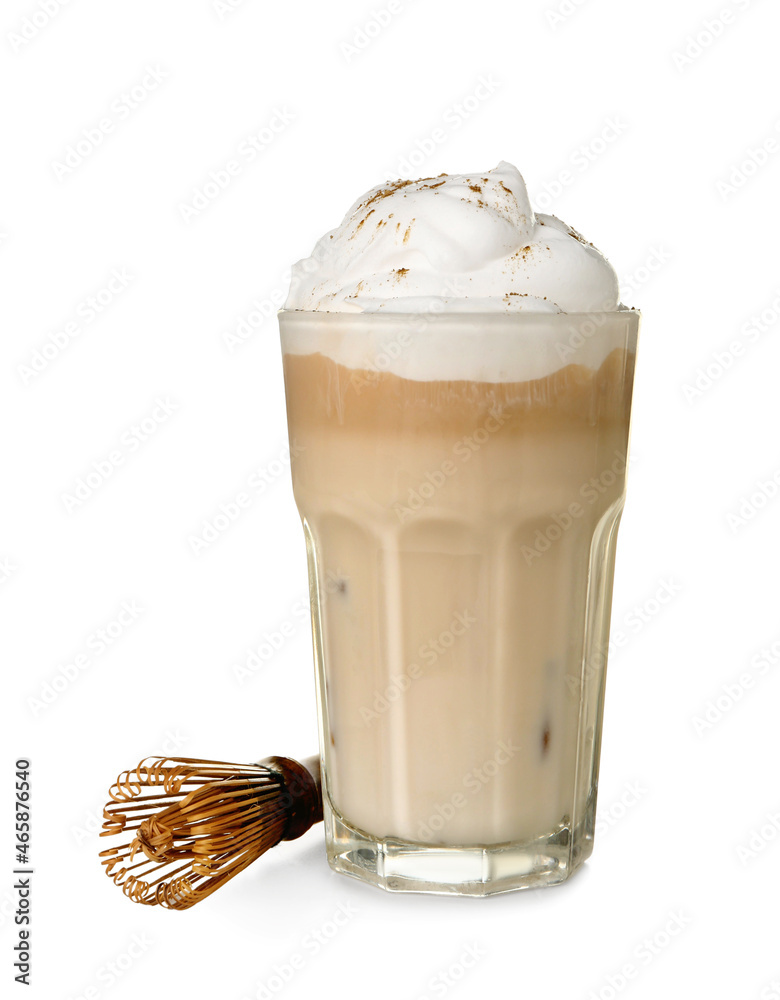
198, 823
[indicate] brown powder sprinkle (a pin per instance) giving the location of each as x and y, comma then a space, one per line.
476, 188
401, 272
523, 252
392, 186
579, 237
384, 192
408, 231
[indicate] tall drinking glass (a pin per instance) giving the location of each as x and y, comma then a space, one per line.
460, 478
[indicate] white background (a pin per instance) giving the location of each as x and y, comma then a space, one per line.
686, 806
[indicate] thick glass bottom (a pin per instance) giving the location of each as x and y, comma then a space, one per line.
400, 866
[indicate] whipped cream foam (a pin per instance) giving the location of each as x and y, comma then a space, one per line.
457, 242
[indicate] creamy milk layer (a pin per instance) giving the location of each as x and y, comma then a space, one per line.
409, 251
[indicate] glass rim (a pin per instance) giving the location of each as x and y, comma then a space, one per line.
461, 315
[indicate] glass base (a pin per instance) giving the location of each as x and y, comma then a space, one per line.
400, 866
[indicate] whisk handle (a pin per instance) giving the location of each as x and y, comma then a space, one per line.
302, 797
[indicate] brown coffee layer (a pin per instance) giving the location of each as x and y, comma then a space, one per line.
321, 390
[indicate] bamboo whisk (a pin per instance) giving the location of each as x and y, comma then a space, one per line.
198, 823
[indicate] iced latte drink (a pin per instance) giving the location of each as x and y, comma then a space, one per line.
458, 376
